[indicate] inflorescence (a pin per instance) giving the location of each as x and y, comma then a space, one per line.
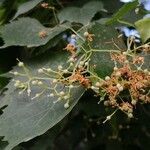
127, 78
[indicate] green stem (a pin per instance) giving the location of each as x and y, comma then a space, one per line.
103, 50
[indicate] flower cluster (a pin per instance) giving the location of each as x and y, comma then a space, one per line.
127, 85
79, 77
127, 78
58, 83
46, 80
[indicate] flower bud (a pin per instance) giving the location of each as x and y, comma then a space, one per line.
20, 64
118, 74
81, 63
125, 53
34, 82
65, 71
133, 102
108, 117
86, 63
115, 68
73, 36
93, 88
71, 86
51, 95
130, 115
66, 97
120, 88
40, 71
40, 83
145, 70
62, 93
55, 81
126, 62
49, 70
139, 68
71, 59
107, 78
118, 85
60, 67
17, 84
28, 91
97, 84
86, 34
106, 103
66, 105
16, 73
71, 64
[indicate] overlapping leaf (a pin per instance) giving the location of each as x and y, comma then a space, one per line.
81, 15
122, 12
105, 39
143, 27
24, 118
26, 32
25, 7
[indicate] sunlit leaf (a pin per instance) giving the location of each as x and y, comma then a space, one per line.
28, 32
24, 118
143, 26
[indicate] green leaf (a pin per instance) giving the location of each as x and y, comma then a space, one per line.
122, 12
25, 7
3, 82
104, 39
25, 32
81, 15
24, 118
143, 26
111, 6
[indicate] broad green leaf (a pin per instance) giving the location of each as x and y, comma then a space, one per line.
105, 39
25, 7
81, 15
25, 32
3, 82
111, 6
122, 12
24, 118
143, 26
